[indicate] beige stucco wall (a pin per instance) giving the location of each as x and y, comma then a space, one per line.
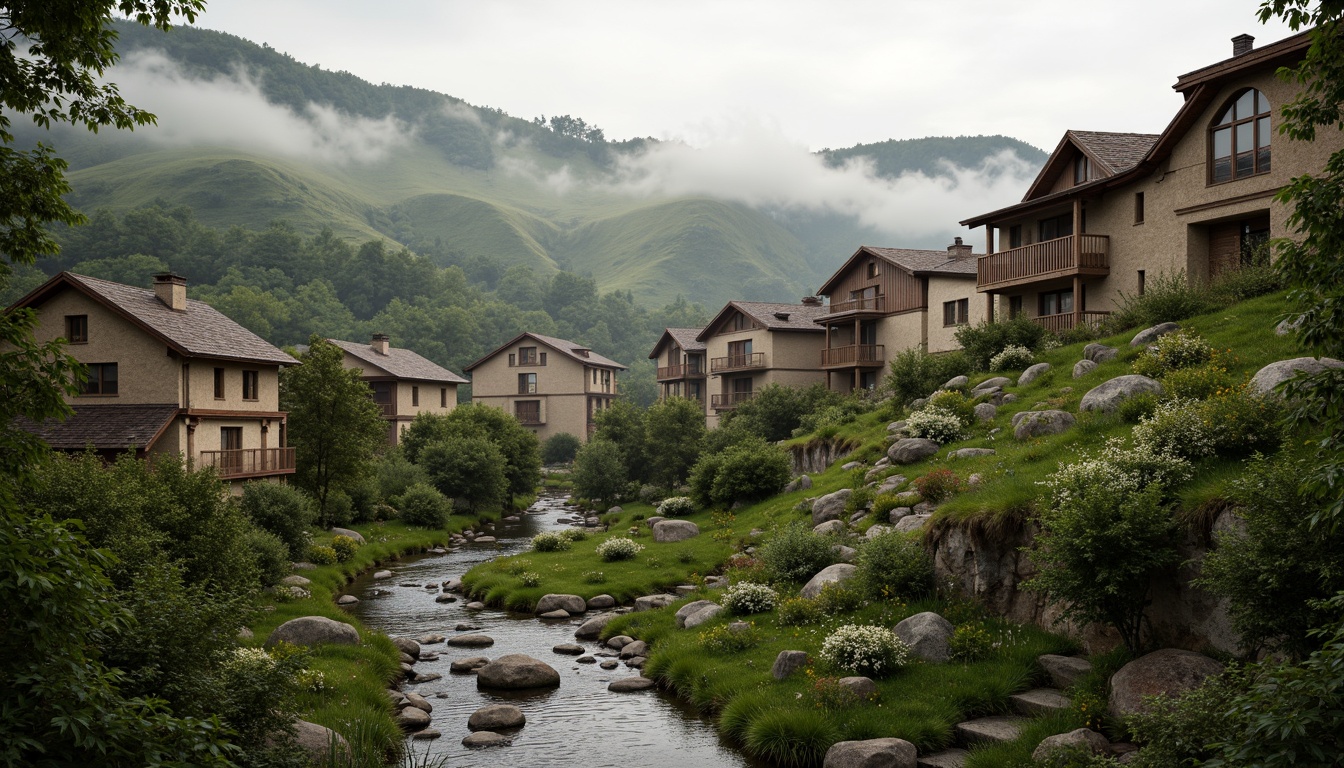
563, 388
201, 386
792, 359
942, 338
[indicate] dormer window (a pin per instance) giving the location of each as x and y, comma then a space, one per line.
1082, 169
1239, 140
872, 269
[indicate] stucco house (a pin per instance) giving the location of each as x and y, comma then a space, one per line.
550, 385
1110, 212
683, 370
751, 344
404, 384
884, 300
166, 374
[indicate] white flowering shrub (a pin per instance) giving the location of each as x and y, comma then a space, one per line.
747, 598
935, 424
550, 541
574, 534
1171, 352
677, 506
1178, 427
1012, 358
1117, 469
619, 548
865, 649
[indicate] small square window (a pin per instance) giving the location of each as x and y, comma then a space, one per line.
102, 379
250, 385
956, 312
77, 329
527, 383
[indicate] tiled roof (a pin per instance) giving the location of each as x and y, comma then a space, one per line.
112, 427
685, 338
568, 348
926, 262
1119, 151
198, 331
402, 363
782, 317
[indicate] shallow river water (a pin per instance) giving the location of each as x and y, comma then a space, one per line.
577, 725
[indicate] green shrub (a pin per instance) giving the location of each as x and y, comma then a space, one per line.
861, 498
794, 553
470, 469
894, 566
530, 579
746, 471
939, 484
724, 638
970, 642
345, 548
915, 373
831, 417
594, 577
560, 448
550, 541
396, 473
1232, 423
776, 411
1134, 409
865, 650
1256, 279
283, 510
983, 341
883, 504
746, 598
1181, 730
425, 506
839, 597
1198, 382
1182, 349
340, 509
619, 548
953, 402
271, 554
365, 495
935, 424
676, 506
1167, 298
797, 612
1012, 358
574, 534
600, 471
319, 554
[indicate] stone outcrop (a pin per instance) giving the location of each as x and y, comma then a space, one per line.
570, 603
831, 506
310, 631
496, 717
1107, 396
1029, 424
1081, 738
1267, 379
1099, 353
911, 449
1170, 671
871, 753
1082, 368
669, 531
517, 671
831, 574
1032, 373
1149, 335
927, 634
788, 662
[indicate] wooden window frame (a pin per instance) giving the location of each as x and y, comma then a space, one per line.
252, 384
873, 269
415, 396
443, 397
1138, 208
1261, 125
1082, 170
219, 384
77, 329
1059, 301
1015, 236
527, 383
527, 355
98, 383
956, 312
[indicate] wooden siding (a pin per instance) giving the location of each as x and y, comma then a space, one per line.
901, 290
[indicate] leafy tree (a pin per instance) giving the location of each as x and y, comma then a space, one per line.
745, 471
777, 410
560, 448
986, 339
470, 469
334, 425
518, 446
622, 424
674, 430
599, 471
282, 510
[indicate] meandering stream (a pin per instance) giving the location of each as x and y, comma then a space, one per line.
578, 725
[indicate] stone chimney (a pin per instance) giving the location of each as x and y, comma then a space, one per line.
171, 290
958, 249
379, 343
811, 301
1242, 45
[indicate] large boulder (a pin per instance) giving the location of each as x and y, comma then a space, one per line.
1064, 671
831, 506
703, 615
956, 382
998, 382
1082, 368
471, 641
1029, 424
970, 453
800, 483
412, 719
1271, 376
517, 671
570, 603
1170, 671
911, 449
1032, 373
407, 646
463, 666
310, 631
986, 411
871, 753
911, 523
830, 528
592, 628
1082, 738
1099, 353
631, 684
690, 609
1149, 335
669, 531
359, 539
318, 742
651, 602
831, 574
927, 634
788, 662
495, 717
1107, 396
483, 739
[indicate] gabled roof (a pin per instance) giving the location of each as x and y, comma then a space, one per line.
916, 262
113, 427
401, 363
574, 351
198, 331
684, 338
1111, 153
771, 316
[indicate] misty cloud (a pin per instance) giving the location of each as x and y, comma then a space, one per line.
233, 112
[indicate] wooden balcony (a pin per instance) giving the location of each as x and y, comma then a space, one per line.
872, 305
854, 356
387, 409
1063, 322
1043, 261
737, 362
729, 401
249, 462
689, 371
529, 419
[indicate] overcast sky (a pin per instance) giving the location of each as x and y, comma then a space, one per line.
821, 74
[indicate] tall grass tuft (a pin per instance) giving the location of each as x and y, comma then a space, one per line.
791, 737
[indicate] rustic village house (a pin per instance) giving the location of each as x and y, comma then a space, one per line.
404, 384
682, 368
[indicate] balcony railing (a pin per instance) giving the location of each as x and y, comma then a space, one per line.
874, 304
730, 400
687, 371
1040, 261
387, 409
242, 462
1064, 321
736, 362
530, 419
853, 355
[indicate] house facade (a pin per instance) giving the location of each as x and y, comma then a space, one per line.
166, 374
683, 370
1110, 212
404, 384
751, 344
550, 385
885, 300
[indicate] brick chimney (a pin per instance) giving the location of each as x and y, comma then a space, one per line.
811, 301
171, 289
958, 249
1242, 45
379, 343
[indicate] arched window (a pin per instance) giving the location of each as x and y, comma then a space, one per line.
1239, 140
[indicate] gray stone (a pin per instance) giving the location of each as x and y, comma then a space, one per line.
1031, 374
414, 699
1149, 335
517, 671
1082, 368
1170, 671
1287, 325
871, 753
845, 554
1107, 396
651, 602
1029, 424
703, 615
586, 660
636, 662
412, 719
851, 465
970, 453
800, 483
652, 521
568, 649
462, 666
1271, 376
831, 527
347, 600
602, 602
954, 757
619, 641
831, 574
636, 648
295, 581
911, 523
891, 483
863, 687
956, 382
896, 426
927, 634
690, 609
830, 506
359, 539
312, 631
557, 614
911, 449
483, 739
471, 641
788, 662
382, 575
1039, 701
1083, 737
475, 605
426, 735
877, 530
495, 717
615, 510
630, 684
445, 598
407, 646
1099, 353
317, 742
986, 411
567, 603
593, 627
670, 531
997, 729
427, 677
609, 664
987, 384
485, 539
1064, 671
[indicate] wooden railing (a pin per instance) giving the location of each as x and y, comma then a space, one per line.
869, 304
855, 354
1052, 258
687, 371
733, 362
387, 409
730, 400
1064, 321
249, 461
529, 418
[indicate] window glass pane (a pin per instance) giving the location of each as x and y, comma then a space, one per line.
1066, 302
1246, 105
1261, 103
1245, 137
1222, 142
1245, 164
1262, 128
1222, 169
1049, 305
110, 379
1227, 116
1262, 159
